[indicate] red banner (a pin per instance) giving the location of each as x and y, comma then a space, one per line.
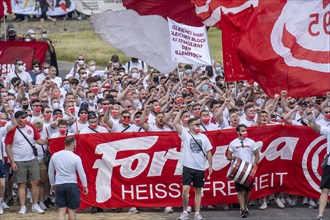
144, 169
27, 51
5, 8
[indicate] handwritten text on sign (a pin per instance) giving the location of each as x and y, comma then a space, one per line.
189, 44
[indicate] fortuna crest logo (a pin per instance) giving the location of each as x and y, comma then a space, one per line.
301, 35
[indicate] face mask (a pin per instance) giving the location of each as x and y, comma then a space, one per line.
84, 76
210, 74
196, 113
280, 110
115, 65
137, 121
205, 87
62, 130
156, 79
240, 112
157, 109
66, 87
251, 115
3, 123
126, 120
105, 108
114, 113
56, 105
327, 116
11, 102
260, 101
92, 68
28, 119
218, 69
206, 120
57, 95
179, 100
180, 73
25, 106
32, 35
47, 116
244, 134
95, 90
37, 109
91, 102
40, 130
190, 89
57, 117
197, 130
83, 117
46, 71
185, 121
25, 120
21, 68
136, 102
135, 75
27, 40
129, 95
81, 62
188, 71
44, 36
106, 86
36, 69
12, 37
71, 109
94, 125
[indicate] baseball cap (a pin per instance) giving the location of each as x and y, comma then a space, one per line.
19, 114
92, 115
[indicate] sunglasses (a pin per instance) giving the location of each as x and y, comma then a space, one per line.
129, 106
43, 101
105, 103
20, 64
36, 66
45, 68
48, 112
36, 106
81, 59
22, 117
126, 117
327, 112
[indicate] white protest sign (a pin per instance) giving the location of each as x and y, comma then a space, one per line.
189, 44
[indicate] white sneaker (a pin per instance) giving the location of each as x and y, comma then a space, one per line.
294, 202
225, 207
1, 209
133, 210
5, 206
210, 207
288, 201
168, 209
22, 210
263, 206
279, 203
312, 204
36, 208
305, 201
42, 205
189, 209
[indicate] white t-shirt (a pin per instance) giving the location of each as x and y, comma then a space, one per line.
209, 127
21, 149
40, 78
57, 80
77, 127
121, 128
3, 132
24, 76
326, 132
246, 152
192, 155
323, 122
99, 129
246, 122
154, 127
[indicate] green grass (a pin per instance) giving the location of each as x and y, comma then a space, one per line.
69, 45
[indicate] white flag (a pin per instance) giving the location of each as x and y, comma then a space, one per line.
189, 44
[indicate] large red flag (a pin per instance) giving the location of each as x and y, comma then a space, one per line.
5, 8
286, 47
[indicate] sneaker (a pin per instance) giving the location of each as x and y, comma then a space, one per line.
1, 209
10, 202
133, 210
22, 210
210, 207
50, 201
312, 204
46, 203
189, 209
183, 216
168, 210
293, 202
225, 207
42, 205
247, 211
279, 203
288, 201
36, 208
283, 201
198, 217
243, 213
252, 203
5, 206
305, 201
263, 206
319, 218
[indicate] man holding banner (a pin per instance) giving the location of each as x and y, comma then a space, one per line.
325, 179
195, 148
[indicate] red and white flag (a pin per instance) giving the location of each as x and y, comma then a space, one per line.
5, 8
286, 46
142, 30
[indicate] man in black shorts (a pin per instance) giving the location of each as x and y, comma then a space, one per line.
196, 147
66, 164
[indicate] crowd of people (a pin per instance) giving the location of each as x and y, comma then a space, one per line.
37, 105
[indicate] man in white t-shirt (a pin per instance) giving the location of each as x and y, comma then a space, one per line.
196, 147
93, 126
325, 179
20, 73
19, 147
244, 148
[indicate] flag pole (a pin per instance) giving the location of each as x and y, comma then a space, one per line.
4, 27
